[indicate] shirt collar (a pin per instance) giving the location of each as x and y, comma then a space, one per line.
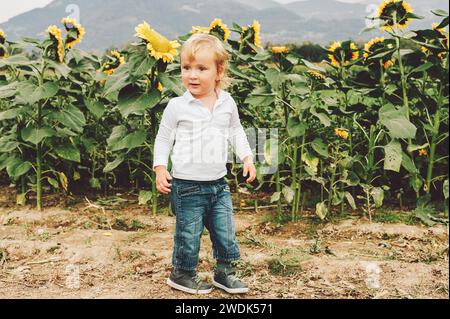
190, 98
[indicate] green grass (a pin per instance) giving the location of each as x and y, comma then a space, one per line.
389, 216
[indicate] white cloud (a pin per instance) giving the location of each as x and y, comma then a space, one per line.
13, 8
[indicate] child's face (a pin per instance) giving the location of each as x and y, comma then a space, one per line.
200, 74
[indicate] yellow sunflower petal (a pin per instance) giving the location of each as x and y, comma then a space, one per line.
158, 46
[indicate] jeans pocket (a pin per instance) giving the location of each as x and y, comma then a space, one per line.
225, 199
189, 204
188, 190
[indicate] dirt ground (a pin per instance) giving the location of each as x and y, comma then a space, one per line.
116, 249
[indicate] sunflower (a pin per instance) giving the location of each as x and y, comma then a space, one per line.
440, 39
343, 53
373, 46
341, 133
199, 29
57, 47
316, 75
253, 33
281, 49
75, 32
158, 46
393, 13
216, 27
2, 37
114, 61
3, 51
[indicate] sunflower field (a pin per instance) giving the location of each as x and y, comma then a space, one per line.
366, 127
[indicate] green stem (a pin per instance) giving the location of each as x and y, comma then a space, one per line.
404, 79
371, 155
154, 191
278, 189
38, 178
434, 137
294, 177
299, 176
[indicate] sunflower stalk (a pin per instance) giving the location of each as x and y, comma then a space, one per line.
434, 138
299, 180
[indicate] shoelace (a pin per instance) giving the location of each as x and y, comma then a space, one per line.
197, 280
233, 277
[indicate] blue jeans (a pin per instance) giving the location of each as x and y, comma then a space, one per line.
199, 204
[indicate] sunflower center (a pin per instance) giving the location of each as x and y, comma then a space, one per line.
395, 9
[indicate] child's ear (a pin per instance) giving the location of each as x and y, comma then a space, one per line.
220, 73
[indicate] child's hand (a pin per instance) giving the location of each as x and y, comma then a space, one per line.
162, 178
249, 167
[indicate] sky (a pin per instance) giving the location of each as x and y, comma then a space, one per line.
13, 8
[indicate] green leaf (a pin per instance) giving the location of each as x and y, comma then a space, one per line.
411, 148
95, 107
95, 183
320, 147
275, 197
396, 122
137, 104
416, 182
313, 66
70, 117
440, 13
338, 197
20, 169
16, 59
273, 152
112, 165
377, 194
10, 114
321, 210
53, 182
311, 161
393, 156
422, 67
31, 93
235, 71
408, 164
171, 84
8, 90
260, 100
61, 69
116, 82
275, 78
68, 152
35, 136
350, 200
323, 118
140, 63
445, 189
129, 141
8, 146
288, 193
295, 128
145, 197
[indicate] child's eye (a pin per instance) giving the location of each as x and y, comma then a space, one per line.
185, 68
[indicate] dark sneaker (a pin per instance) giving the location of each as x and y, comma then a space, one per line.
188, 281
226, 279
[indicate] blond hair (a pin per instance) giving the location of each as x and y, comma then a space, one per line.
201, 40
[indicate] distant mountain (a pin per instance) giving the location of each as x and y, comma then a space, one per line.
327, 9
111, 23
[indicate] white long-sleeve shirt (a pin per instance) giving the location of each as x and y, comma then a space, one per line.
201, 137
